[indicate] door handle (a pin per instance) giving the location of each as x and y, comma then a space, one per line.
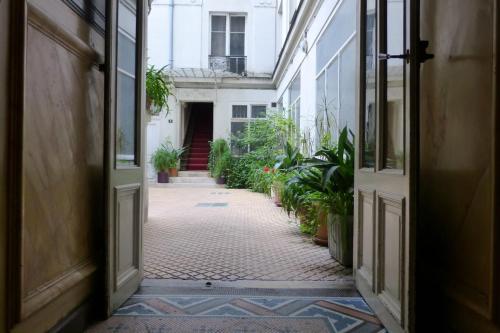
385, 56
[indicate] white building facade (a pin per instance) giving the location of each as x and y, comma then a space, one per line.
246, 56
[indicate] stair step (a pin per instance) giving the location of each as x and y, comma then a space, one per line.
194, 174
192, 180
196, 167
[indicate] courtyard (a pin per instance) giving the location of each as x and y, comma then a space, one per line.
209, 234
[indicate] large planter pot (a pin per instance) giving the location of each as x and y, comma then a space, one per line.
220, 180
172, 172
321, 236
340, 234
163, 177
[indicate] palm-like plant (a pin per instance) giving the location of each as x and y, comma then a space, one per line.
290, 159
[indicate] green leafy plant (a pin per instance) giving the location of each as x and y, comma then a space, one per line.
158, 89
337, 167
219, 159
290, 159
161, 159
175, 155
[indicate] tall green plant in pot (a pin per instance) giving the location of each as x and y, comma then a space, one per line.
161, 160
175, 156
219, 160
337, 167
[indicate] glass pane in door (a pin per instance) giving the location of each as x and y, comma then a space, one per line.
370, 81
126, 99
393, 139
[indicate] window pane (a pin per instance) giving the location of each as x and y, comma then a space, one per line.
219, 23
258, 111
239, 111
218, 43
340, 28
237, 44
295, 89
237, 131
369, 117
126, 109
237, 24
332, 98
348, 87
320, 106
296, 113
126, 53
394, 108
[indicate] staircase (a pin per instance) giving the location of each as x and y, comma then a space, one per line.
199, 149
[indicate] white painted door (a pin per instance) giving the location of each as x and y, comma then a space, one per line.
126, 156
384, 182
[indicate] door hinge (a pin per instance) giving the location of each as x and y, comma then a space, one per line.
422, 55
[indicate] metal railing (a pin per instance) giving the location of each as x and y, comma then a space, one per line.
232, 64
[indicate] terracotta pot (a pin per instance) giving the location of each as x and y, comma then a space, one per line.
321, 236
172, 172
162, 177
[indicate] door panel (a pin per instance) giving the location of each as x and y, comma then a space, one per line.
458, 224
126, 160
57, 165
383, 168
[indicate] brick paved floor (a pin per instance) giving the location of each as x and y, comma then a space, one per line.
221, 234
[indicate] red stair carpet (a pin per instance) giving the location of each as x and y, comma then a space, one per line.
200, 148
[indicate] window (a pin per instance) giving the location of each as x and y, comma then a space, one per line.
258, 111
227, 50
335, 80
126, 72
241, 119
294, 94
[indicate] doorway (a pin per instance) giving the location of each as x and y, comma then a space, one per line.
197, 132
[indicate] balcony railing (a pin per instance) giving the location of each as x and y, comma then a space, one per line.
232, 64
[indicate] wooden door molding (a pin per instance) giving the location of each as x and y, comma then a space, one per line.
16, 113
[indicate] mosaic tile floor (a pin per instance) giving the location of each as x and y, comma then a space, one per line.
161, 313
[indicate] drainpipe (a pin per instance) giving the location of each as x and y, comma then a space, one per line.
170, 38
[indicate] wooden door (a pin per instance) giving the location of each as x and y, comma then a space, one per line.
384, 168
458, 277
125, 58
56, 160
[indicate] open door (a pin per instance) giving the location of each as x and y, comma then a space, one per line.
125, 57
384, 181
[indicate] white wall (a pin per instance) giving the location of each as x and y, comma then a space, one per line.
159, 33
191, 23
305, 63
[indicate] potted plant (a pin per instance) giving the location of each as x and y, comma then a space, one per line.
285, 163
337, 167
219, 160
158, 89
161, 160
175, 156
